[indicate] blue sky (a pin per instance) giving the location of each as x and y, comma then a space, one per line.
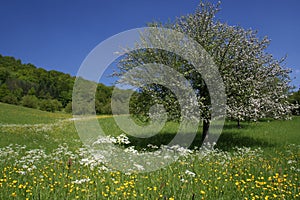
59, 34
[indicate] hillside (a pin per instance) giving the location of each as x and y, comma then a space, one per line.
13, 114
29, 86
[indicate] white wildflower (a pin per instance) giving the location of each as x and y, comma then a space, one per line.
139, 167
192, 174
122, 139
81, 181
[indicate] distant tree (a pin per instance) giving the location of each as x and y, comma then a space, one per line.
50, 105
82, 98
294, 98
4, 91
68, 108
57, 105
10, 99
18, 93
103, 99
65, 97
4, 74
30, 101
31, 91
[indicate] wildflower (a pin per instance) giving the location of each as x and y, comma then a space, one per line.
266, 197
152, 146
139, 167
123, 139
192, 174
81, 181
22, 172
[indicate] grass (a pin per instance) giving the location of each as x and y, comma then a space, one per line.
11, 114
265, 134
41, 157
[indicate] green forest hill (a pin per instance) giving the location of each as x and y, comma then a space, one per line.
29, 86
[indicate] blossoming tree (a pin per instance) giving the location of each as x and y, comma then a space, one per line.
256, 83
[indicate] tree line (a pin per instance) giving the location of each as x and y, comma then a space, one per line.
29, 86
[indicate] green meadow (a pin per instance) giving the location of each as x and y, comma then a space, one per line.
42, 157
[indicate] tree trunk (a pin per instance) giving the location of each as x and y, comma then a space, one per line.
205, 128
238, 123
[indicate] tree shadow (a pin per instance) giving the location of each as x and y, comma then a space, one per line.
229, 126
227, 140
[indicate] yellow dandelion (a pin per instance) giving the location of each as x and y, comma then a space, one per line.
266, 197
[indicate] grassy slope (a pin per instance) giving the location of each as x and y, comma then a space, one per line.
11, 114
34, 128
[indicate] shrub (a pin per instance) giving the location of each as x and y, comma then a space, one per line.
30, 101
50, 105
11, 99
68, 108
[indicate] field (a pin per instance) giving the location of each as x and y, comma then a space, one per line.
42, 157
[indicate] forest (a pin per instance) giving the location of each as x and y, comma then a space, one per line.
29, 86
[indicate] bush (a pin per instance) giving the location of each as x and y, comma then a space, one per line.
11, 99
50, 105
68, 108
4, 91
30, 101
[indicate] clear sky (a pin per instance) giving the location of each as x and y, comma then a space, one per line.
59, 34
